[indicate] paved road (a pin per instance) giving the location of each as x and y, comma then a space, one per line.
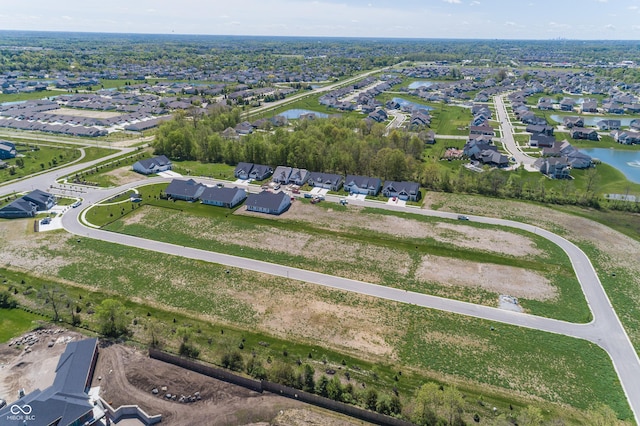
605, 329
506, 130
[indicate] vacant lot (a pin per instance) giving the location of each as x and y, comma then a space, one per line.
610, 251
85, 113
391, 336
388, 249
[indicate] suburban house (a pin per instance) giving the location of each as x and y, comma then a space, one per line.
223, 197
540, 129
42, 200
281, 175
541, 140
555, 168
627, 137
608, 124
187, 190
590, 105
268, 202
583, 133
482, 151
481, 130
66, 401
260, 172
572, 156
362, 185
153, 165
570, 122
403, 190
18, 209
329, 181
7, 150
28, 205
242, 170
299, 176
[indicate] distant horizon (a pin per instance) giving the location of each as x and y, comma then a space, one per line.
587, 20
312, 37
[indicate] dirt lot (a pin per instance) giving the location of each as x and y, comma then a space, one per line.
128, 376
32, 369
85, 113
122, 176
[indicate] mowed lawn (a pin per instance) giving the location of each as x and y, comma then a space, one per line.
14, 322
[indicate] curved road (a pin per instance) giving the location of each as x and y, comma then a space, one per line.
605, 330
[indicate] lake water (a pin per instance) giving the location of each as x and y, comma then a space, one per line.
296, 113
420, 83
593, 121
628, 162
413, 105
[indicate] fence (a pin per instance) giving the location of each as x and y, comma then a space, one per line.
266, 386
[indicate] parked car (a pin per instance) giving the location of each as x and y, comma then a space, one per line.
76, 204
463, 217
307, 195
295, 190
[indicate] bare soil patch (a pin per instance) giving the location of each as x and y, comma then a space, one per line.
129, 375
498, 241
122, 176
33, 368
85, 113
497, 278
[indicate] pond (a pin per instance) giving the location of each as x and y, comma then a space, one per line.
628, 162
593, 120
296, 113
420, 83
412, 105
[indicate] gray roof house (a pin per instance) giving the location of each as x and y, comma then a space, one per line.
542, 140
153, 165
403, 190
242, 170
260, 172
362, 185
223, 197
281, 175
609, 124
329, 181
188, 190
268, 202
7, 150
555, 168
66, 401
18, 209
42, 200
299, 176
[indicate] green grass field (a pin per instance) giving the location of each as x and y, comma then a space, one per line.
14, 322
37, 158
213, 170
496, 362
170, 221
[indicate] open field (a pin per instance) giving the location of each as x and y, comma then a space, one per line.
397, 250
608, 249
37, 158
515, 365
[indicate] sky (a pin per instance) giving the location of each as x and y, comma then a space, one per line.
477, 19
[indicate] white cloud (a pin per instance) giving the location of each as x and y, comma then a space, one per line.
452, 1
474, 3
610, 27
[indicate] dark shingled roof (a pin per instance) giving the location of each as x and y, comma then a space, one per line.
66, 400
